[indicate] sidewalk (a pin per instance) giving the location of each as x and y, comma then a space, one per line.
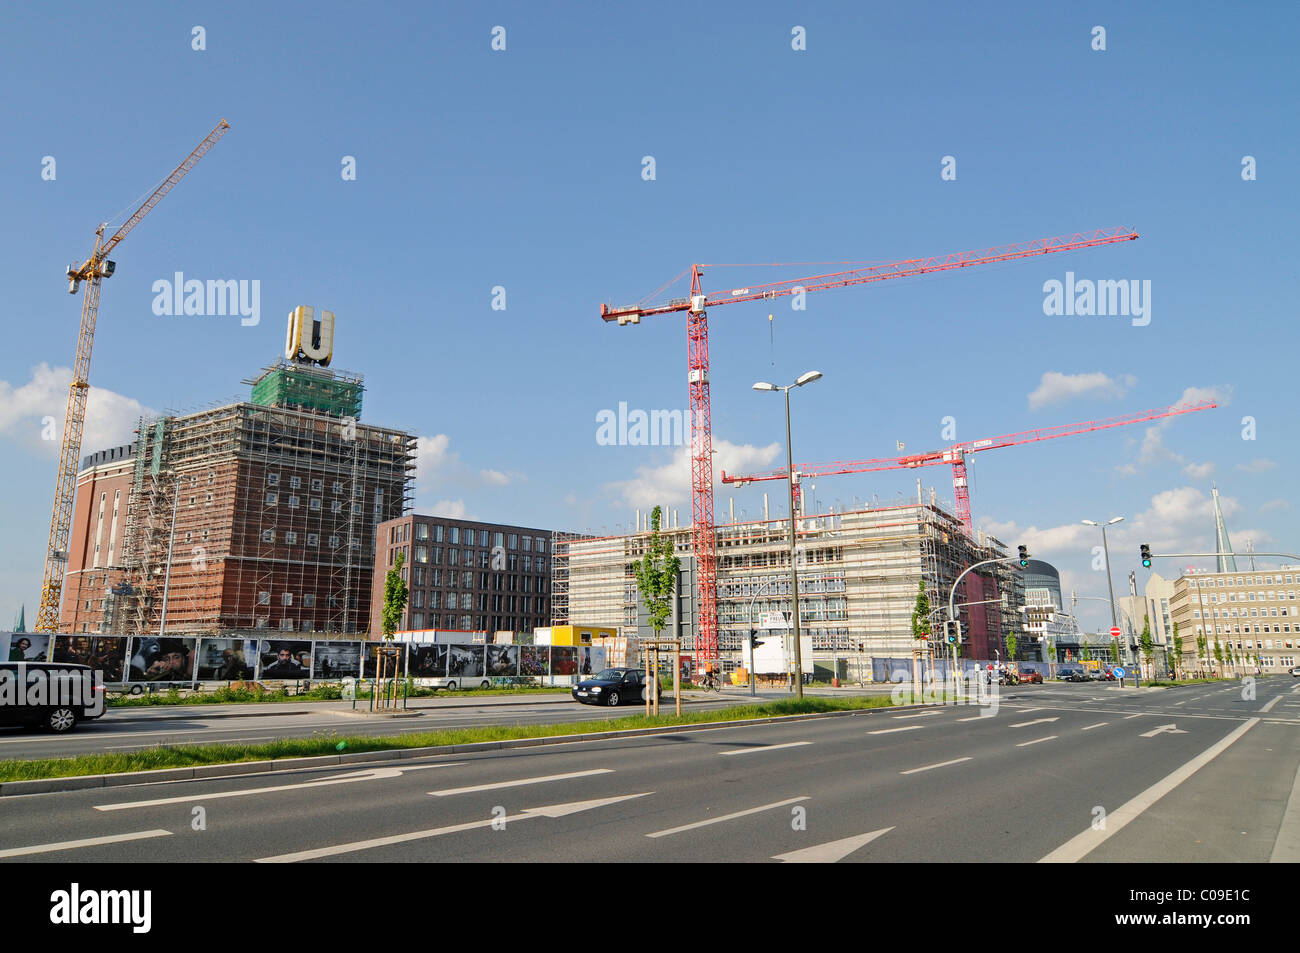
284, 709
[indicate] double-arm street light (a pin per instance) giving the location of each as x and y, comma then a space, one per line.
1114, 620
807, 378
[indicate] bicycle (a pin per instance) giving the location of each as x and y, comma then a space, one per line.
711, 682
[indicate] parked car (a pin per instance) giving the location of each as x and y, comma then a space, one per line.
611, 687
64, 703
1296, 670
1106, 675
1031, 678
1074, 675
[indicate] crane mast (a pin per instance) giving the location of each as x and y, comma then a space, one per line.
91, 272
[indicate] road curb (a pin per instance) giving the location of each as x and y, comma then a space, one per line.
200, 772
191, 711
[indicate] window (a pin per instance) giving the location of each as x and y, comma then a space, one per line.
333, 542
293, 502
273, 479
291, 538
338, 488
467, 580
268, 536
421, 554
295, 482
527, 544
286, 625
455, 535
314, 504
286, 599
541, 544
336, 506
317, 486
422, 531
263, 598
437, 534
309, 600
498, 539
313, 540
272, 499
513, 541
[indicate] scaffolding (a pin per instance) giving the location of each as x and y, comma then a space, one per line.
271, 509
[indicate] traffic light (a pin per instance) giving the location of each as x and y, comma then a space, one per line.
754, 640
952, 632
1024, 556
1146, 556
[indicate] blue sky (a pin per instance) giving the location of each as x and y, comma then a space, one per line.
523, 169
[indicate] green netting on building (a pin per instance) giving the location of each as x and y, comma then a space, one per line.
299, 389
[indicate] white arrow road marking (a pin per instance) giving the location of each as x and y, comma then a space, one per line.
987, 713
726, 817
555, 810
373, 774
930, 767
1083, 844
1036, 721
522, 781
832, 851
1035, 741
1097, 725
1162, 730
788, 744
87, 842
886, 731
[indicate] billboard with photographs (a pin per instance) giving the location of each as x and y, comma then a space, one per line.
227, 660
465, 661
395, 652
429, 660
166, 659
331, 660
591, 660
503, 660
284, 658
564, 660
25, 647
535, 660
104, 653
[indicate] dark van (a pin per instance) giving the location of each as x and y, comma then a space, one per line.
66, 694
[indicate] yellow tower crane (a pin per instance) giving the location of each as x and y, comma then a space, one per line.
92, 271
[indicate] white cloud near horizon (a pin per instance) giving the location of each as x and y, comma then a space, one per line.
1055, 387
671, 482
111, 418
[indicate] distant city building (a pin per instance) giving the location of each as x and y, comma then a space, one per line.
1253, 613
1042, 585
465, 575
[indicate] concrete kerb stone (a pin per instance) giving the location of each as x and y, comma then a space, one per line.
50, 785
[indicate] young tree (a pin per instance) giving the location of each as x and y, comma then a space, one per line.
1218, 655
1178, 651
1202, 653
921, 613
1012, 644
395, 595
656, 576
1232, 658
1144, 640
1114, 651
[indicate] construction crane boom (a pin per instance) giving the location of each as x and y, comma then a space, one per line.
92, 271
703, 539
956, 454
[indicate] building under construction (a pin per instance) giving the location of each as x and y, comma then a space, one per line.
859, 575
255, 515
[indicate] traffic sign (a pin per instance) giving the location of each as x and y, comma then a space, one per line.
1119, 672
1114, 632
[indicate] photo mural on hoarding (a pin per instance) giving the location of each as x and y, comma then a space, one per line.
591, 659
428, 660
564, 661
227, 660
335, 660
166, 659
535, 660
285, 658
395, 653
502, 660
26, 647
104, 653
465, 661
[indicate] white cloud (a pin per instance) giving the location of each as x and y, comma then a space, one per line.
1261, 465
1271, 505
1199, 471
1055, 387
494, 477
671, 483
111, 418
1152, 450
455, 509
439, 469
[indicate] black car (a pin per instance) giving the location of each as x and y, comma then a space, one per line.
611, 687
1076, 675
67, 694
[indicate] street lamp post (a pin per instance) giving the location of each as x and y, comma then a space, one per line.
806, 378
1114, 619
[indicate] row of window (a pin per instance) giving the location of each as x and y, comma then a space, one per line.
1240, 581
1245, 613
1270, 596
312, 539
497, 581
472, 623
317, 485
1248, 630
456, 536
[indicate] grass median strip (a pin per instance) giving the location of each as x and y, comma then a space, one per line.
329, 743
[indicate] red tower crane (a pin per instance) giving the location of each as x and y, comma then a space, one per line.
703, 541
956, 454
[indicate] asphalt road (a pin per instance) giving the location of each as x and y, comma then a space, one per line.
1060, 772
131, 729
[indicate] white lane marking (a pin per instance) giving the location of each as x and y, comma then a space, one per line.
1180, 703
924, 714
1079, 846
976, 718
1138, 715
726, 817
788, 744
1036, 721
1097, 725
1286, 849
555, 810
832, 851
1035, 741
370, 774
1025, 711
519, 783
1169, 729
86, 842
888, 731
931, 767
1272, 701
